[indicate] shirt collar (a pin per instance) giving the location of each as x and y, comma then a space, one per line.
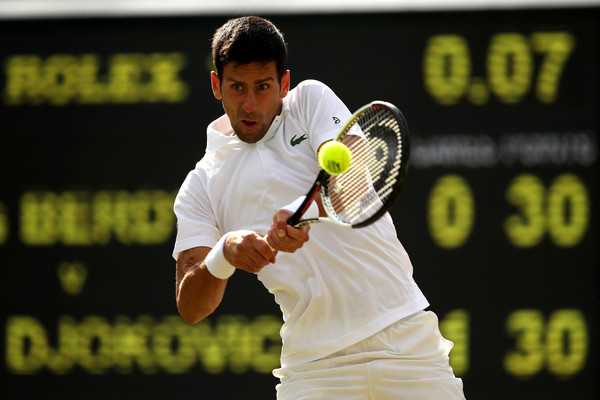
220, 133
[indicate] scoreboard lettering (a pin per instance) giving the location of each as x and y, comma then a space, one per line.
510, 67
120, 78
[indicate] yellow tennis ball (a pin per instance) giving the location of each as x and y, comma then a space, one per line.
334, 157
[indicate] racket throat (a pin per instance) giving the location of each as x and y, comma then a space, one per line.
295, 218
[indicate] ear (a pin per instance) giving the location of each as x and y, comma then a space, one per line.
285, 83
216, 85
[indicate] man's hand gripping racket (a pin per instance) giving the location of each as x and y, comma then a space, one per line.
377, 137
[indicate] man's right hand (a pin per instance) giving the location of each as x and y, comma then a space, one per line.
248, 251
284, 237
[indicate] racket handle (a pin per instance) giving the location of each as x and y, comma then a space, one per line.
295, 218
304, 207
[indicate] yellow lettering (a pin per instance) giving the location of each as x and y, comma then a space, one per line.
568, 210
164, 84
527, 357
510, 66
233, 332
65, 356
81, 218
26, 345
557, 47
62, 79
447, 68
526, 229
211, 352
266, 349
95, 344
173, 345
131, 344
152, 217
125, 75
455, 327
74, 218
562, 210
24, 80
90, 91
38, 225
567, 342
561, 344
451, 211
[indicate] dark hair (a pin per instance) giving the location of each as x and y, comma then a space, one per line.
248, 39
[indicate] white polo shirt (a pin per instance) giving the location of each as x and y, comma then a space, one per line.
343, 285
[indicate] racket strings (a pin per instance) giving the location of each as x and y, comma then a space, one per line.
375, 142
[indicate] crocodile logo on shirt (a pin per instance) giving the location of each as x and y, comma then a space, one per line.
299, 140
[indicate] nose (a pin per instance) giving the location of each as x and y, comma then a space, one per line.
249, 105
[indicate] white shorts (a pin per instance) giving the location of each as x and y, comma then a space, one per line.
406, 361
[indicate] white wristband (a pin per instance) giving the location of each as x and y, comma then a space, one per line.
216, 263
311, 212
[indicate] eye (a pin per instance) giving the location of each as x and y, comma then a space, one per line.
263, 86
236, 86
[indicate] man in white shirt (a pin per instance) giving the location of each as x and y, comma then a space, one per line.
354, 325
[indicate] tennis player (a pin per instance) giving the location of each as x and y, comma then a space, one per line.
355, 325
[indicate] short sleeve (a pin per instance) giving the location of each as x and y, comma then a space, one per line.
322, 111
196, 224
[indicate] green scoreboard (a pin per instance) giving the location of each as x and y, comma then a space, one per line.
102, 118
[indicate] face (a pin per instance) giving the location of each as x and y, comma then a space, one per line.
252, 97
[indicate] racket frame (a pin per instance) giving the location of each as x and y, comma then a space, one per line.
323, 177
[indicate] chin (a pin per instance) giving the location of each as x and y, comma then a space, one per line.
249, 137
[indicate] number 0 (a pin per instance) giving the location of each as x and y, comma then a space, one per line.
451, 211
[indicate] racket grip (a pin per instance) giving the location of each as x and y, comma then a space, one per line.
295, 218
302, 206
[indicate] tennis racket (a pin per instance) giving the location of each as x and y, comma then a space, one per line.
377, 136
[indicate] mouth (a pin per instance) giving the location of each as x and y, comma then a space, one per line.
249, 131
249, 123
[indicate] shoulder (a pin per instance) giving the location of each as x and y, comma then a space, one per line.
310, 97
317, 110
196, 179
312, 83
311, 88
